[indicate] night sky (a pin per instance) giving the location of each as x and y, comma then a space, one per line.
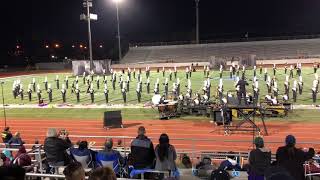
35, 21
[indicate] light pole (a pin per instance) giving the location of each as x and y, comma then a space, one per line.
197, 21
4, 109
87, 4
118, 28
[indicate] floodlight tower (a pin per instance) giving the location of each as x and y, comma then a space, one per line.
118, 28
197, 21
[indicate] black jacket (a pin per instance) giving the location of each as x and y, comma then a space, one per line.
142, 152
259, 160
242, 85
293, 162
55, 149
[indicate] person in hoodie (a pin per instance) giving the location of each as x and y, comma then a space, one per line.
259, 160
22, 158
230, 163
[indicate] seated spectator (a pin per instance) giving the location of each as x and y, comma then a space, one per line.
276, 173
8, 155
292, 159
103, 173
74, 171
259, 160
142, 150
82, 151
230, 164
16, 141
12, 173
6, 135
22, 158
5, 160
109, 157
186, 162
165, 155
55, 148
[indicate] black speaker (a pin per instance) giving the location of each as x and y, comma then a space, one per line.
218, 118
112, 119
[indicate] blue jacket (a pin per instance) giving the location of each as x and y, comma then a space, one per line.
113, 156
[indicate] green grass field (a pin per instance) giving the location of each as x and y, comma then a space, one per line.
115, 96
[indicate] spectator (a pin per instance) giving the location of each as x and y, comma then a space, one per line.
8, 155
83, 151
259, 160
103, 173
74, 171
5, 160
108, 155
12, 173
16, 141
55, 148
22, 158
6, 135
165, 155
186, 161
231, 163
292, 159
142, 150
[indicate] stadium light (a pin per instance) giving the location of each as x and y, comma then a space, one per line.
56, 45
101, 46
73, 46
18, 47
118, 27
47, 46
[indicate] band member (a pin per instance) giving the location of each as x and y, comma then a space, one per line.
128, 83
163, 72
220, 71
187, 73
129, 73
21, 92
178, 86
170, 75
315, 68
34, 84
77, 79
39, 92
230, 71
299, 69
139, 76
274, 68
121, 82
166, 87
300, 85
260, 67
256, 92
124, 95
220, 90
204, 70
175, 72
49, 91
291, 71
46, 83
156, 87
174, 91
98, 82
207, 71
77, 91
148, 85
242, 90
134, 72
140, 82
314, 94
286, 87
67, 82
285, 68
84, 77
57, 81
190, 70
138, 90
265, 74
294, 91
29, 92
91, 91
103, 72
268, 83
113, 80
14, 92
254, 70
106, 93
63, 93
91, 75
275, 89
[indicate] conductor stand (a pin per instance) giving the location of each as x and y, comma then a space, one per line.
248, 114
4, 109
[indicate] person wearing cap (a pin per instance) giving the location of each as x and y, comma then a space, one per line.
292, 158
259, 160
142, 150
110, 155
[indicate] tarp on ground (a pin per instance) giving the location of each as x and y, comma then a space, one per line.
80, 66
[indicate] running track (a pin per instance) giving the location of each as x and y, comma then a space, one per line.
214, 137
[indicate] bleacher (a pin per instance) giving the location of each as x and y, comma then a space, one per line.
278, 49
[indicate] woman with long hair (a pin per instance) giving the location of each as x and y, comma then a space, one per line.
165, 155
